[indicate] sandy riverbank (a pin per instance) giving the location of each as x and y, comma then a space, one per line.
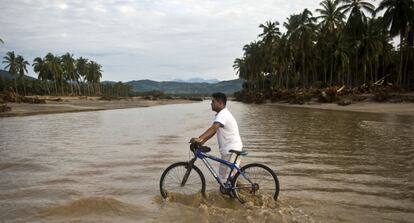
81, 104
372, 107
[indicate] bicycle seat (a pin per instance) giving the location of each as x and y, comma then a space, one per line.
240, 153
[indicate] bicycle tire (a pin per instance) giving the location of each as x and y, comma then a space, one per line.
171, 180
262, 175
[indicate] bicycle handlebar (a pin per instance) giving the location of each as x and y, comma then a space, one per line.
197, 146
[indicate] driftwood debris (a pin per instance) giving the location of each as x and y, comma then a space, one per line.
6, 96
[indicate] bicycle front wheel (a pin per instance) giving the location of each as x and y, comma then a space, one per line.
178, 179
263, 183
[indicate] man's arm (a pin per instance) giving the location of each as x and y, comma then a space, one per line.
207, 134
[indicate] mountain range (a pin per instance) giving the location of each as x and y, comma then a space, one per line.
7, 75
197, 80
173, 87
197, 86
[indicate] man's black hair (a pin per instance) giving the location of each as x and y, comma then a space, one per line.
220, 97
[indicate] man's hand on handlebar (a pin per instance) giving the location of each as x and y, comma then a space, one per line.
196, 140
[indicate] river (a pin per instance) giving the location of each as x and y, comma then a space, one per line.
333, 166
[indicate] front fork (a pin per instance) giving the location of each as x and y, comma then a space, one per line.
187, 173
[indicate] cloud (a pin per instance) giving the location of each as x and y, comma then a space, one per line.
143, 39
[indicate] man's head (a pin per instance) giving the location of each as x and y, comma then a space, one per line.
218, 101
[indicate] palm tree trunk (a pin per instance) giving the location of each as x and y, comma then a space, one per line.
405, 76
287, 79
349, 77
303, 70
24, 87
15, 85
365, 72
263, 82
71, 88
61, 86
332, 67
78, 88
376, 70
371, 74
356, 76
325, 70
47, 87
399, 80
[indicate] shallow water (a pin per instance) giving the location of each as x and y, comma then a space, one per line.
333, 166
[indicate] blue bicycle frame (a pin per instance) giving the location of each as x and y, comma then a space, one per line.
232, 166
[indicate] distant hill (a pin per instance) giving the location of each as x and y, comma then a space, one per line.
173, 87
170, 87
197, 80
7, 75
108, 82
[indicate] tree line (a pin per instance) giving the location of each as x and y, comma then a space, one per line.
344, 43
59, 75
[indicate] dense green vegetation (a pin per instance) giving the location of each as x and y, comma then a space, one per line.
58, 75
345, 43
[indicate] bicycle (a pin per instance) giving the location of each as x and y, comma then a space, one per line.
251, 181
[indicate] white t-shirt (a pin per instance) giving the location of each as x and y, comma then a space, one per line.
228, 136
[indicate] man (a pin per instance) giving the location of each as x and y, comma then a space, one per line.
228, 136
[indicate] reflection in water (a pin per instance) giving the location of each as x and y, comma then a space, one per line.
333, 166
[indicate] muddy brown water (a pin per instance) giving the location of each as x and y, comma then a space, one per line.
333, 166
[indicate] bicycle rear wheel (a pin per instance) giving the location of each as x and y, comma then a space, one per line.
172, 182
264, 183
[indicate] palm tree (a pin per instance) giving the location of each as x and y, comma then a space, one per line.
13, 66
82, 69
398, 19
253, 56
301, 31
238, 65
355, 27
54, 67
343, 61
284, 60
270, 36
357, 17
331, 15
94, 74
22, 69
371, 47
291, 24
69, 69
331, 25
270, 32
40, 67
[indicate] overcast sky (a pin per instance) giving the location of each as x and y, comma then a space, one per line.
142, 39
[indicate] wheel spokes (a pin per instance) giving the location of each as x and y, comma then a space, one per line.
263, 184
174, 178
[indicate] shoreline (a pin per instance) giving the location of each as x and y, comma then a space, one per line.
56, 105
382, 101
400, 108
